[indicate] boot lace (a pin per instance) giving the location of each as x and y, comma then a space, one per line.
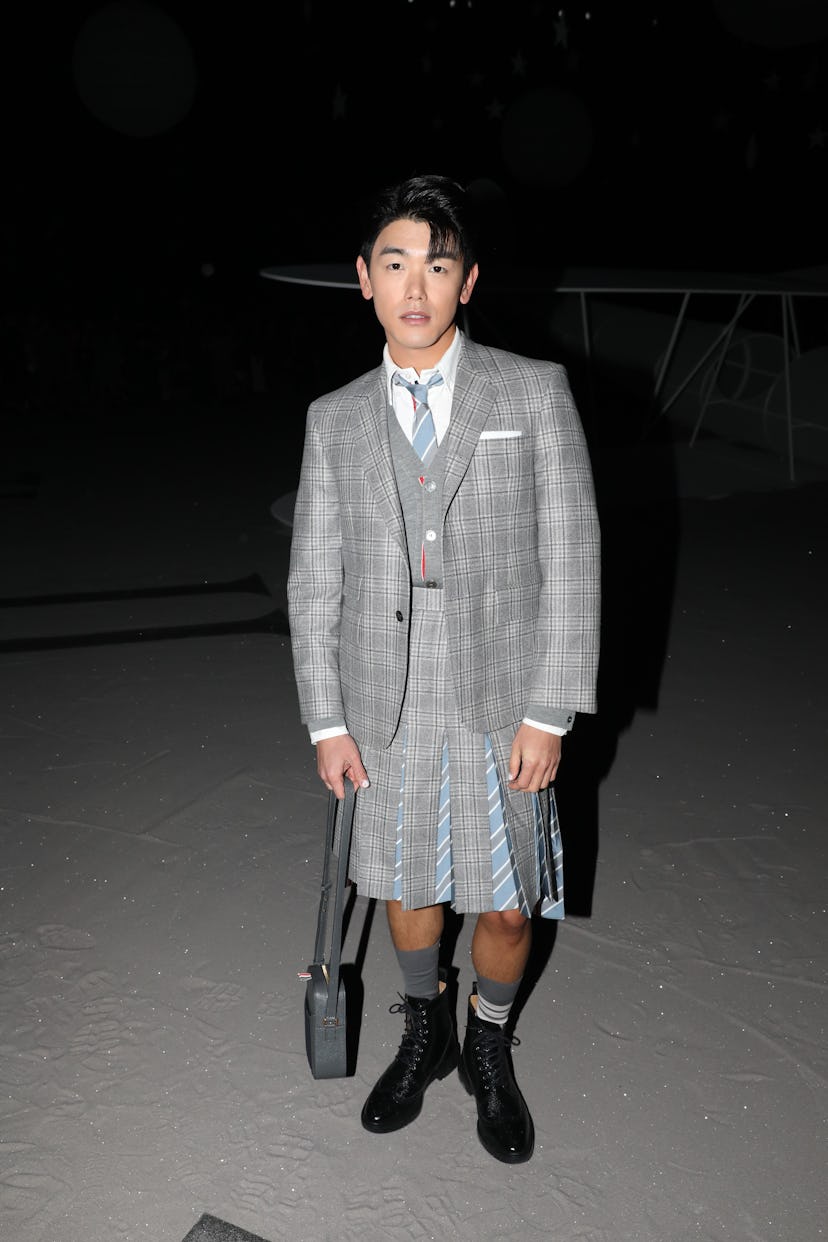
491, 1053
415, 1035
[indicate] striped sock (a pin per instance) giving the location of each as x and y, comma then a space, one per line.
494, 1000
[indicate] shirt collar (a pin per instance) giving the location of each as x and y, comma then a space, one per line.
447, 365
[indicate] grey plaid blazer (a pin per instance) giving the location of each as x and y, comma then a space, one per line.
521, 570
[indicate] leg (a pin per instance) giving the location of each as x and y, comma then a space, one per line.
429, 1047
500, 949
416, 937
414, 929
500, 945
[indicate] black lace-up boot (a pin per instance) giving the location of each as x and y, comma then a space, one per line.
429, 1050
504, 1124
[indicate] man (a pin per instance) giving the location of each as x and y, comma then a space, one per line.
444, 598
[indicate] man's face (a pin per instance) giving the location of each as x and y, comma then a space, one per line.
415, 297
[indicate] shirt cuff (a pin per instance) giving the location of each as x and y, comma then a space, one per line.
545, 728
318, 735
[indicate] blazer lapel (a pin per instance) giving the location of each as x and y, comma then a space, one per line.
374, 448
470, 410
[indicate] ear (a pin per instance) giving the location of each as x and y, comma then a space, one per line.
468, 285
364, 279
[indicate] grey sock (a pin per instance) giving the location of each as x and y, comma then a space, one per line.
419, 971
494, 1000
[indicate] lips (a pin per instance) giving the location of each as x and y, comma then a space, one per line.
415, 318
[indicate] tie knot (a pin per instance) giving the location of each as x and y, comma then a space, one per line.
418, 390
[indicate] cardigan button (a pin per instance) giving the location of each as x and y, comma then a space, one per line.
398, 615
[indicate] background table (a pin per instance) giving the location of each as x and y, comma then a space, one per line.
589, 282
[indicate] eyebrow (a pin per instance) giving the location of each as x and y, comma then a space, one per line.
430, 255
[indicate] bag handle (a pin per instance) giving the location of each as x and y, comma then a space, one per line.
346, 822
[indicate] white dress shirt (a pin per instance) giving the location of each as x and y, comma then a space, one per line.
439, 398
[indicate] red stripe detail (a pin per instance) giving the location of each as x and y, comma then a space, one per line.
422, 564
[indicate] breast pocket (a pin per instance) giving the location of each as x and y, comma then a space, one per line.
517, 603
500, 475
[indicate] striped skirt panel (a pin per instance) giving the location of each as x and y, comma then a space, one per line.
438, 823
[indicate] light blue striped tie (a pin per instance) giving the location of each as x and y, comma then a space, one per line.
506, 887
397, 895
424, 437
444, 878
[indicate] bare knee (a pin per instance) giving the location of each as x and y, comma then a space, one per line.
505, 924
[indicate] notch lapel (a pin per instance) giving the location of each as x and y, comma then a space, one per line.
470, 410
373, 446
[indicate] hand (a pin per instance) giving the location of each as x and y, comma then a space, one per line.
534, 759
338, 757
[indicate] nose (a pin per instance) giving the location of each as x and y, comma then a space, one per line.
415, 287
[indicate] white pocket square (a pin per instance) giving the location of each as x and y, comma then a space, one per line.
501, 435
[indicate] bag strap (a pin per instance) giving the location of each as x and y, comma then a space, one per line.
322, 916
346, 818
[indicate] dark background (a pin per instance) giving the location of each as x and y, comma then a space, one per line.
141, 141
157, 157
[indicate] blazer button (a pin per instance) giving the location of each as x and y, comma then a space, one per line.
398, 615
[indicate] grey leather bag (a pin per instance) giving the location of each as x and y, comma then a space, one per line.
325, 1014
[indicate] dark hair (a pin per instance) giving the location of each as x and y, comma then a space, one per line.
439, 202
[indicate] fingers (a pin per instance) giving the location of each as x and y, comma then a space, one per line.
337, 760
357, 775
514, 757
532, 779
534, 760
337, 784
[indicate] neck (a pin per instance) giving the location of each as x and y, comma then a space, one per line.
421, 359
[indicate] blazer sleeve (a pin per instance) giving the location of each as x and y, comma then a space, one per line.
567, 633
315, 577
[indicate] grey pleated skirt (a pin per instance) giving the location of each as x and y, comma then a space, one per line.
438, 822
